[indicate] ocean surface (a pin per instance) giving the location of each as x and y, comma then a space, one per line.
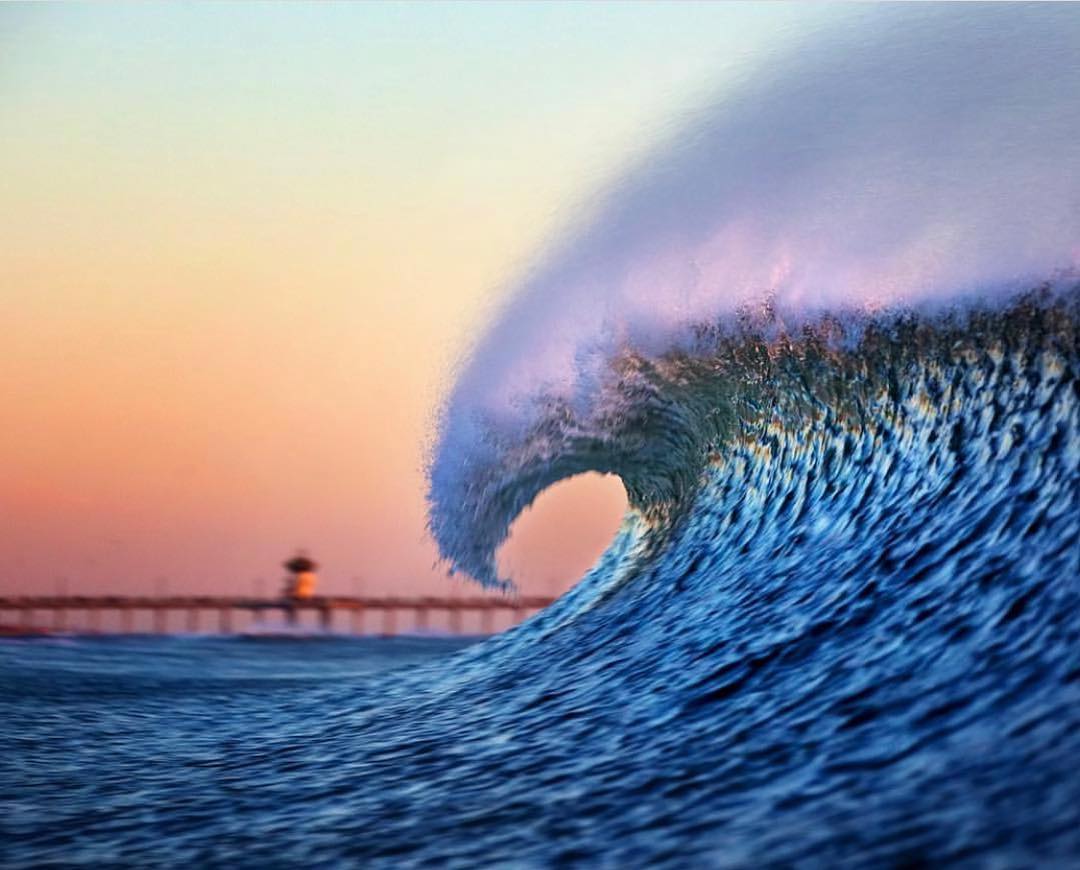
120, 749
828, 337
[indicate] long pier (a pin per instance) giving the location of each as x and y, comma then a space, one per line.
200, 607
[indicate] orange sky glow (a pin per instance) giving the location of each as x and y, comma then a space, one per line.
242, 250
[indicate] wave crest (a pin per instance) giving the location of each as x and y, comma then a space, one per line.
879, 165
657, 422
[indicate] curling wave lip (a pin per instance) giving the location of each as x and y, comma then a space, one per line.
912, 155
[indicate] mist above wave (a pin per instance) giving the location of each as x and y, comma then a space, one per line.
906, 155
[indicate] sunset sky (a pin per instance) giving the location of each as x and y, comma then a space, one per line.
243, 248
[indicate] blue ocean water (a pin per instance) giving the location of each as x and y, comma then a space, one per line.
123, 750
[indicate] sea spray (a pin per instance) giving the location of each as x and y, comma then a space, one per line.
911, 155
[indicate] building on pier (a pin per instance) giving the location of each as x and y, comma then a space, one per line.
300, 584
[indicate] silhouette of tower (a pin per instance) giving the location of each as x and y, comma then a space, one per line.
302, 582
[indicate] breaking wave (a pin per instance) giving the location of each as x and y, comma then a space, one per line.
828, 339
923, 158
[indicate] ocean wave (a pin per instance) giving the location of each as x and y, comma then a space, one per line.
828, 340
839, 624
867, 382
904, 157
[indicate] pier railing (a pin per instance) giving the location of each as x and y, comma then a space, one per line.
201, 610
